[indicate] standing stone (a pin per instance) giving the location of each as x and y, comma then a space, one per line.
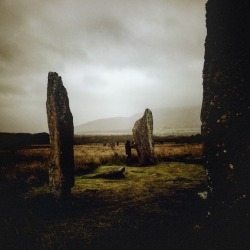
226, 101
61, 129
143, 137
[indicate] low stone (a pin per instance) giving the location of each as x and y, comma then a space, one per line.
114, 174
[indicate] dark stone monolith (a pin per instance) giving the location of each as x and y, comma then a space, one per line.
226, 102
143, 137
61, 129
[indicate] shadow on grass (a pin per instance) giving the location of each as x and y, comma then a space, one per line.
152, 208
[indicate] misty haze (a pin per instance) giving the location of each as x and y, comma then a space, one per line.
115, 58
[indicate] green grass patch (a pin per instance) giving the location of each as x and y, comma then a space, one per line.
142, 185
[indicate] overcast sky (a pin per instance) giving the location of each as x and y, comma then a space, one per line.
115, 57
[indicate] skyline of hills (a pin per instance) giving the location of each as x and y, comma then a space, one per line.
166, 121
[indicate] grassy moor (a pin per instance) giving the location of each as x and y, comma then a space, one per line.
143, 210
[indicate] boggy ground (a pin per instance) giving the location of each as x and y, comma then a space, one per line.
154, 207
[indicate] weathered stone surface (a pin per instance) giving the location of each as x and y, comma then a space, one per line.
114, 174
61, 129
143, 137
226, 100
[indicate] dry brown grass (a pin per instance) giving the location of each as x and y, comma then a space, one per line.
30, 165
173, 150
97, 154
25, 166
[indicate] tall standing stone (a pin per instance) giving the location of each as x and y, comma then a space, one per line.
226, 101
143, 137
61, 129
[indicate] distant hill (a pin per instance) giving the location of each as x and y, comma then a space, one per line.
166, 121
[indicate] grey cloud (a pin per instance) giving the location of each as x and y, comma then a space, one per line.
8, 88
82, 39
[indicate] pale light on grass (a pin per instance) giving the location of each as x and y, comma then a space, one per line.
141, 184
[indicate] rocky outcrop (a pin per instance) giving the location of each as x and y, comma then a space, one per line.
226, 100
143, 138
61, 129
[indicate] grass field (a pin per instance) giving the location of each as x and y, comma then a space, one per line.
154, 207
29, 165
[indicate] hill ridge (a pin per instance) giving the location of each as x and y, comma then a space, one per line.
165, 119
